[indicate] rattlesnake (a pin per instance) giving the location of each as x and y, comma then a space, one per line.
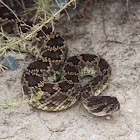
53, 83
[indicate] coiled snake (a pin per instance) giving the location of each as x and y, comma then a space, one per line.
54, 83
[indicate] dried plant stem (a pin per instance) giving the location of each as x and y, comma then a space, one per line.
28, 36
9, 9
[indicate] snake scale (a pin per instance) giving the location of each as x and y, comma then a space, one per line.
52, 82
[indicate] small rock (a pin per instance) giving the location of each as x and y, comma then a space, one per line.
107, 117
94, 136
130, 110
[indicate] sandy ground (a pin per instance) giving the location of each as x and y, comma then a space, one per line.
113, 33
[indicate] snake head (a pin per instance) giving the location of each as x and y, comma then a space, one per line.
102, 105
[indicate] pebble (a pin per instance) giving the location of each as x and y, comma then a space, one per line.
94, 136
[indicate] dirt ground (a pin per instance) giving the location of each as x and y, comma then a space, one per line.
114, 33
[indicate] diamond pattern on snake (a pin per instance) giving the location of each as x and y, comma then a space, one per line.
52, 81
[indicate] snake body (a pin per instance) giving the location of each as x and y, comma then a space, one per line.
53, 83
